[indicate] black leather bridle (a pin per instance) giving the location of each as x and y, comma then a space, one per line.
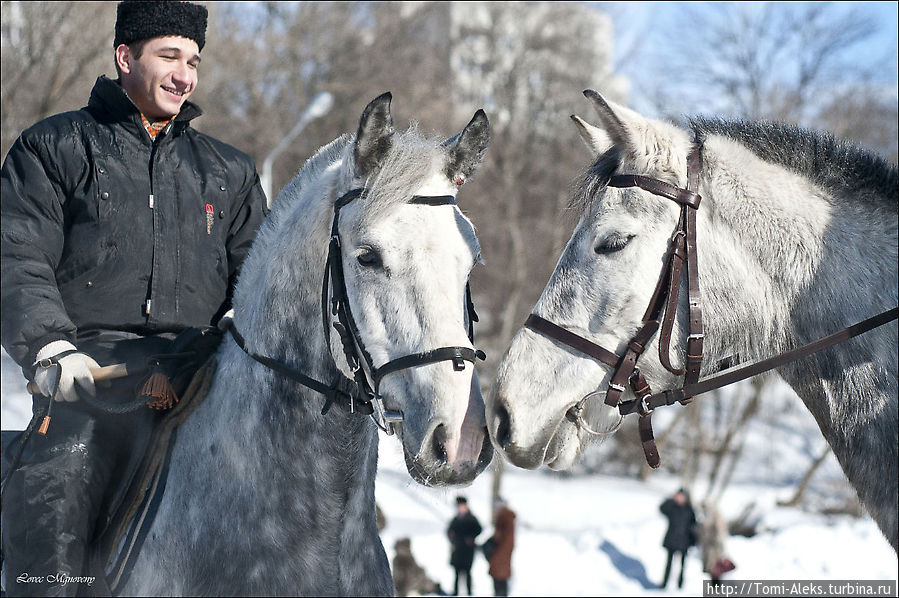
363, 395
660, 315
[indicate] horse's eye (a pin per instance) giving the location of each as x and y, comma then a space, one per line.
369, 258
612, 243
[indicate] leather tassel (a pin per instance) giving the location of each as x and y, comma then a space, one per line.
158, 392
45, 423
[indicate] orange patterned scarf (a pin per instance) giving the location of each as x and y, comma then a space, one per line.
155, 127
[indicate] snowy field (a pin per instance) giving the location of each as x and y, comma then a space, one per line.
601, 535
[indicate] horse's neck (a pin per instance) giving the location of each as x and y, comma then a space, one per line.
782, 263
278, 311
277, 301
785, 265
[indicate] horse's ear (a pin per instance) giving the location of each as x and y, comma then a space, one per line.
375, 135
596, 139
467, 149
610, 116
650, 142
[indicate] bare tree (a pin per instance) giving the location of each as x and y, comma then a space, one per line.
791, 62
48, 63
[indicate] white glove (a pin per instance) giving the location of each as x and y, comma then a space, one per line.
58, 378
225, 320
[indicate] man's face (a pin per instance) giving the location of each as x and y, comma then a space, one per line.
163, 77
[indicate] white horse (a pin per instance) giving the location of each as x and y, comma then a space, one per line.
797, 238
265, 494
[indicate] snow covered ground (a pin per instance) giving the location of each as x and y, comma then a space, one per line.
601, 535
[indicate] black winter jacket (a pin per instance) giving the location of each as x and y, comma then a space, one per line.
104, 229
463, 530
681, 533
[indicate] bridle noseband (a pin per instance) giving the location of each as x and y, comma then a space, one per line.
660, 315
364, 396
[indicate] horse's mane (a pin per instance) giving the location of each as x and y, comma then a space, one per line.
834, 164
316, 165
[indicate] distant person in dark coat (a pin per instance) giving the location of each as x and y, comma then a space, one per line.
462, 531
501, 559
681, 533
409, 577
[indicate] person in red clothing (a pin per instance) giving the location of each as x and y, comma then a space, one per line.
501, 559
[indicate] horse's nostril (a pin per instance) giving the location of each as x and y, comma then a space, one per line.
503, 432
438, 443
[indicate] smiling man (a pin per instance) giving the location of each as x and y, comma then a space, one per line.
122, 226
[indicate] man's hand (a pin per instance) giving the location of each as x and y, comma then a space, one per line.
226, 320
59, 367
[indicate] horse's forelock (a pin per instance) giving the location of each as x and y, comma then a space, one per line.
412, 159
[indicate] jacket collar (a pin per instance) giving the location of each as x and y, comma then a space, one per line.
110, 103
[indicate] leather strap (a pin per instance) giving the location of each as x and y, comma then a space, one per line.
657, 187
458, 355
743, 372
332, 392
547, 328
676, 263
628, 363
648, 441
694, 299
735, 374
433, 200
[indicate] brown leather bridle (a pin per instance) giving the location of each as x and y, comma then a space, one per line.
660, 315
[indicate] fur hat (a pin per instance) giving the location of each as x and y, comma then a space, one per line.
138, 20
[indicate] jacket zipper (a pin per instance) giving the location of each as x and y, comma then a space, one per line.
152, 204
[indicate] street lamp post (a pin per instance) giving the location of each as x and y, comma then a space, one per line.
317, 108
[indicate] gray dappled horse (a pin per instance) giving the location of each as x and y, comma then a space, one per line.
797, 238
267, 496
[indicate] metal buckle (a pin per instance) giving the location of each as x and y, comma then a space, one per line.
617, 387
384, 418
644, 408
695, 337
635, 373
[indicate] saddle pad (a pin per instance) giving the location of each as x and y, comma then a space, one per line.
118, 543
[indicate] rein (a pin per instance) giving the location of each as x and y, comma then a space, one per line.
659, 317
364, 396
